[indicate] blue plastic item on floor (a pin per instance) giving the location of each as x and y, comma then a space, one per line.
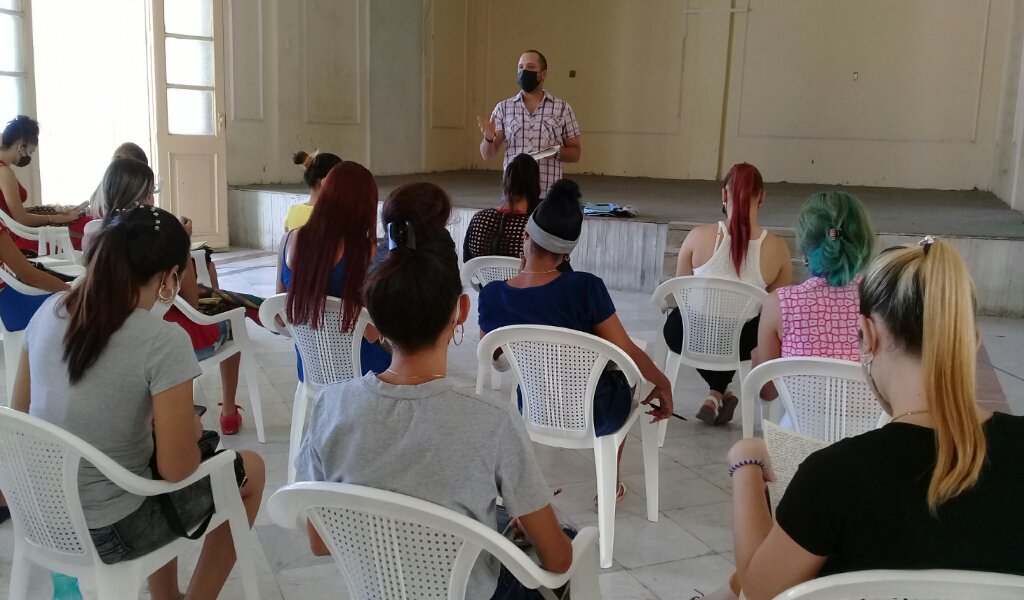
65, 588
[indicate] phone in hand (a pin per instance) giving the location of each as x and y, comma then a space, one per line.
199, 409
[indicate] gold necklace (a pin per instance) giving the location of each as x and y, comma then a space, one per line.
537, 272
910, 412
396, 373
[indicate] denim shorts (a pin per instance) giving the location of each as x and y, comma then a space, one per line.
146, 529
208, 351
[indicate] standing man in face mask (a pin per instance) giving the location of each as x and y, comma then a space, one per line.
532, 120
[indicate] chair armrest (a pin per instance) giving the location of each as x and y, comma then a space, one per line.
221, 465
530, 574
233, 315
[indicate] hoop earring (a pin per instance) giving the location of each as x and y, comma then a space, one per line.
458, 334
160, 295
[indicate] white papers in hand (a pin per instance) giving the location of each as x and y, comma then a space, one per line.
545, 153
787, 450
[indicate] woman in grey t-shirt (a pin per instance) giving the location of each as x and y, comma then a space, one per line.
409, 431
100, 365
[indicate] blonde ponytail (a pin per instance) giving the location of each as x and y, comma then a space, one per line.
925, 297
948, 360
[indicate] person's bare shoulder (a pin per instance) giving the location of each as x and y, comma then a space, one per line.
701, 232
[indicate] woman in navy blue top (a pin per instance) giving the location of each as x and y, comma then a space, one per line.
344, 219
542, 295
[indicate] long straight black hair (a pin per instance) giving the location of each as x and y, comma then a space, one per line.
135, 246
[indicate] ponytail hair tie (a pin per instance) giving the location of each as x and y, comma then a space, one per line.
834, 233
926, 243
401, 235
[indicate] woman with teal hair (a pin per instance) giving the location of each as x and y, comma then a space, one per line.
819, 316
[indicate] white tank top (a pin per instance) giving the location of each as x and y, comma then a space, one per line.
720, 263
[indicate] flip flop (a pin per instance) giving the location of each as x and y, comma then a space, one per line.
728, 408
620, 494
708, 413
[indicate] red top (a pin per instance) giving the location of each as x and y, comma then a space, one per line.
21, 192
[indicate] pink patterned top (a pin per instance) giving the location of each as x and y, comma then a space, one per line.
820, 320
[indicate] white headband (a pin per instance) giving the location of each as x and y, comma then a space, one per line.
547, 241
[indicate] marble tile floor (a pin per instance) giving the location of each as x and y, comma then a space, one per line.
689, 548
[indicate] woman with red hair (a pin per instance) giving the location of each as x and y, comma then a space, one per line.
330, 255
738, 249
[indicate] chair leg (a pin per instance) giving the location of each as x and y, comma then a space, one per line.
481, 373
245, 561
649, 437
584, 581
495, 379
672, 362
249, 370
605, 457
295, 437
21, 569
746, 404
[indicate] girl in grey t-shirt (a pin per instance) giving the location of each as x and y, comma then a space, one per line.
100, 365
408, 431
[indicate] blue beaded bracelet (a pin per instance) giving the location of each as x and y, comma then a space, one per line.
743, 463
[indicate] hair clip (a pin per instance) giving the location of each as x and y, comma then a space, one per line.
926, 243
834, 233
401, 234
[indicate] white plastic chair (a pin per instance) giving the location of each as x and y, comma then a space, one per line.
929, 584
39, 476
825, 398
558, 370
389, 545
14, 340
329, 355
478, 272
238, 344
55, 248
202, 270
713, 312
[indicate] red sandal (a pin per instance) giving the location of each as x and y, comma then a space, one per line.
230, 424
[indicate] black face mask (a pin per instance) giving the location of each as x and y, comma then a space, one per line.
528, 80
24, 160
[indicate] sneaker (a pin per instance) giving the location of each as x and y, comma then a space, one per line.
230, 424
709, 410
728, 408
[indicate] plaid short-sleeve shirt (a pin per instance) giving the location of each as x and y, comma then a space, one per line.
552, 123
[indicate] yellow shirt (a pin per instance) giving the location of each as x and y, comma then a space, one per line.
297, 216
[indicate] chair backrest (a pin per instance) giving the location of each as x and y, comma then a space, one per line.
557, 370
329, 355
825, 398
39, 477
480, 271
389, 545
713, 311
930, 584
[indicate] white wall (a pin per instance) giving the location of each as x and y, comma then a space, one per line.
662, 88
868, 93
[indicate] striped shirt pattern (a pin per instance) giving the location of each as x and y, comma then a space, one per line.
552, 123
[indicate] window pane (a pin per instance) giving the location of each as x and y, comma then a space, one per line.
189, 17
190, 112
11, 97
10, 43
189, 62
10, 4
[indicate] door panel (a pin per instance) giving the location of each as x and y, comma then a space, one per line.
189, 113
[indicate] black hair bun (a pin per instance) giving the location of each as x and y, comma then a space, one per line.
300, 157
565, 190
